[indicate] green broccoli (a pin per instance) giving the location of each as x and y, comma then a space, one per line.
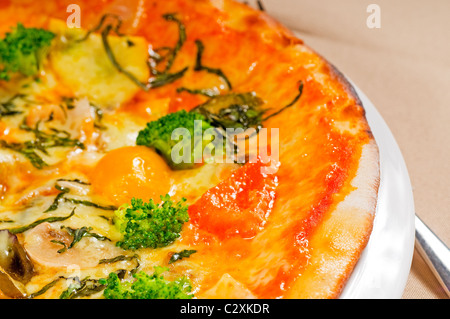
159, 135
23, 50
150, 225
146, 286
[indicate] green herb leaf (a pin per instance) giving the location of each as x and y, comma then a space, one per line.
181, 40
78, 234
22, 229
58, 198
27, 150
42, 142
298, 96
60, 251
182, 254
168, 54
166, 78
200, 67
8, 108
205, 92
90, 204
82, 288
240, 110
123, 258
44, 289
233, 110
113, 59
102, 21
76, 180
64, 190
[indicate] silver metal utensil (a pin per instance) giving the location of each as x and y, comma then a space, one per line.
435, 253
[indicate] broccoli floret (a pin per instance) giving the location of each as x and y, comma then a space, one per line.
146, 286
158, 135
150, 225
23, 50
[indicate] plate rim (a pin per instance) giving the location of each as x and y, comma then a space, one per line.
395, 194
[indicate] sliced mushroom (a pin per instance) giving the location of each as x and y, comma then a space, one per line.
10, 287
16, 268
42, 245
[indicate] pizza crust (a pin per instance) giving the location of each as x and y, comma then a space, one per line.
344, 233
341, 238
337, 243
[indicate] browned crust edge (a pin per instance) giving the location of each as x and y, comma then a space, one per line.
368, 171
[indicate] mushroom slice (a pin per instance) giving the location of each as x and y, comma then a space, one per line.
9, 287
42, 245
16, 268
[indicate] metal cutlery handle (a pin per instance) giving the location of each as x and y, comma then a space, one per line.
435, 253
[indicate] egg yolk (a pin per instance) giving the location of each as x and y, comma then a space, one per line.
128, 172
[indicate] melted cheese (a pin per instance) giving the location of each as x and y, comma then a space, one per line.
257, 56
85, 67
228, 288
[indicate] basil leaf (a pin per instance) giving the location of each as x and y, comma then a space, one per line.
200, 67
182, 254
22, 229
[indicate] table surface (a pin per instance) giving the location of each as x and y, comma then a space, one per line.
404, 69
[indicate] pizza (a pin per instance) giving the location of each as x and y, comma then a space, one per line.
176, 149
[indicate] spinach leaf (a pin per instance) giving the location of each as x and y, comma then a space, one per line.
65, 190
182, 254
44, 289
82, 288
240, 110
233, 110
8, 108
77, 235
160, 78
200, 67
205, 92
172, 52
42, 142
166, 78
295, 100
123, 258
22, 229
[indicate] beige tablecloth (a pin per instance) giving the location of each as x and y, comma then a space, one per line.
404, 69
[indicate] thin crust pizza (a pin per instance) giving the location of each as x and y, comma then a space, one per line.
176, 149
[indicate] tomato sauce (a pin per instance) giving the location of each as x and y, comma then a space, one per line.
232, 223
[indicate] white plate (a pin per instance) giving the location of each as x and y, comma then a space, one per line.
383, 269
